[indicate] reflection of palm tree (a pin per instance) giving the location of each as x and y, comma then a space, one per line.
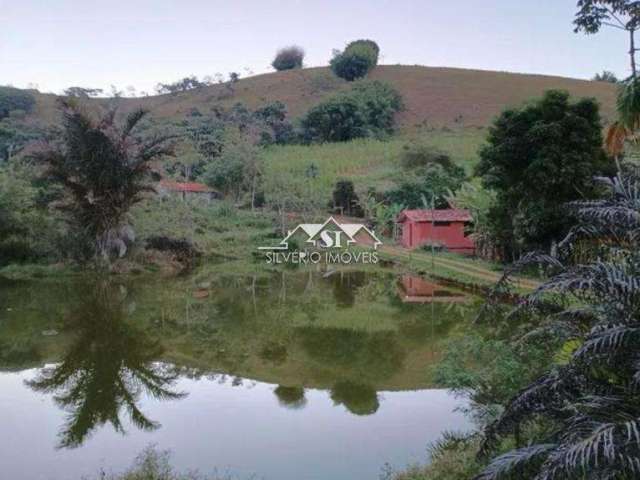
105, 369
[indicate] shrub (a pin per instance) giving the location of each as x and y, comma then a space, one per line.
367, 110
288, 58
181, 248
605, 76
433, 176
278, 129
345, 197
15, 99
356, 61
419, 155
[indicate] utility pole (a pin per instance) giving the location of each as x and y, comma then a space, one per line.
433, 229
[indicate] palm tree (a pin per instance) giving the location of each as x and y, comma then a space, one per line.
591, 403
104, 170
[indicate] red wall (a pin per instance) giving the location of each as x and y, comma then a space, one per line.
415, 234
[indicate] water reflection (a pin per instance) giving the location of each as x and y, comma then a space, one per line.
358, 398
415, 289
105, 369
291, 397
304, 355
349, 334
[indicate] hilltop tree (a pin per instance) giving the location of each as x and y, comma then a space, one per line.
103, 169
183, 85
605, 76
536, 159
356, 61
82, 92
288, 58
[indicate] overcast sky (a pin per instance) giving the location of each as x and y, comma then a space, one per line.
55, 44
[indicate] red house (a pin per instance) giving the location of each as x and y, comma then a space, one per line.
441, 227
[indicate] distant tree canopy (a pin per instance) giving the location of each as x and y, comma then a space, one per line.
605, 76
82, 92
15, 99
537, 158
356, 61
288, 58
367, 110
183, 85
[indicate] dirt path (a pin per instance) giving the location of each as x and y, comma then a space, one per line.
459, 266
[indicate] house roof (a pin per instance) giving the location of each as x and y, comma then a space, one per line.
192, 187
446, 215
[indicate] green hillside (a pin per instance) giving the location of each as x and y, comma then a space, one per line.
433, 96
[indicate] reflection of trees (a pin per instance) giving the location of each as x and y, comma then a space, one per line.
105, 369
291, 397
345, 285
363, 353
358, 398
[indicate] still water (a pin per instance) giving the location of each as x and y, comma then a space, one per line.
288, 375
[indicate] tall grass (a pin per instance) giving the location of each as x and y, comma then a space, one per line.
369, 162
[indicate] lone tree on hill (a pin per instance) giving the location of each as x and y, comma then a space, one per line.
104, 170
356, 61
605, 76
288, 58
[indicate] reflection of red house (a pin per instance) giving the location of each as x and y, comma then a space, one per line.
414, 289
441, 227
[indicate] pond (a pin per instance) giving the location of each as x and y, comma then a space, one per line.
281, 376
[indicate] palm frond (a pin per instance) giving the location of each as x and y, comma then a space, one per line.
520, 463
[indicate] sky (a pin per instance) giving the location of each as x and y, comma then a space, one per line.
54, 44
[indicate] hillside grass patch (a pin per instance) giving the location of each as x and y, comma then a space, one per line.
369, 162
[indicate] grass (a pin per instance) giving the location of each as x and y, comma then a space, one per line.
370, 162
216, 229
33, 271
154, 464
450, 460
434, 96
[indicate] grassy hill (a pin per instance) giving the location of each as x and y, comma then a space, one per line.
448, 108
434, 97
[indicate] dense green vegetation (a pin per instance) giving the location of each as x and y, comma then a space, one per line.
356, 61
536, 159
15, 100
552, 384
103, 172
288, 58
367, 110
